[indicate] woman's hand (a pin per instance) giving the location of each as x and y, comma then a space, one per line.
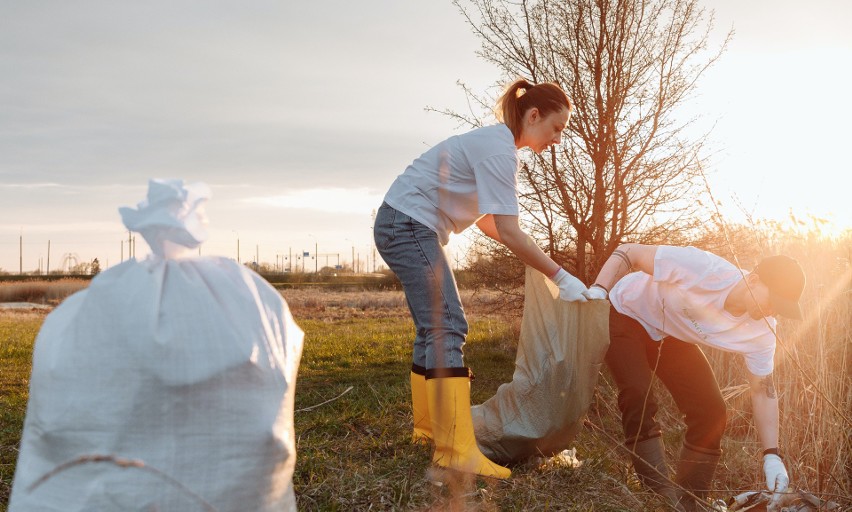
570, 288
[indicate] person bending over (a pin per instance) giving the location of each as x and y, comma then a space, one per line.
666, 303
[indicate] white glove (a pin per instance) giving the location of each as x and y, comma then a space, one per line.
596, 293
570, 288
776, 475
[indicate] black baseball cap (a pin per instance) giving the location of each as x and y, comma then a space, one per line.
785, 280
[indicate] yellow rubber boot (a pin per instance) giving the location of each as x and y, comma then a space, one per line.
452, 426
419, 406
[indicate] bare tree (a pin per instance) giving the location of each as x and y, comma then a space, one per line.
629, 170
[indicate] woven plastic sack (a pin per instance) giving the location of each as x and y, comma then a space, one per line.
168, 384
560, 352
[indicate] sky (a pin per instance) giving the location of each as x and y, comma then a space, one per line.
299, 115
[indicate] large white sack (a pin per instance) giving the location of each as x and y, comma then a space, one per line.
560, 352
188, 365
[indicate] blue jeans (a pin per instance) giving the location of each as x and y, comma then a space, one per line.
416, 256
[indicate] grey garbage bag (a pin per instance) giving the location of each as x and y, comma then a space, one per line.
185, 366
560, 352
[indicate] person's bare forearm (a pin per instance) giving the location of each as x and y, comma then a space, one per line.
506, 230
764, 403
626, 259
523, 246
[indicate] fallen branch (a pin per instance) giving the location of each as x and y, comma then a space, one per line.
327, 401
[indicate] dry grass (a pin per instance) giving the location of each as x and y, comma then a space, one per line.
339, 305
354, 453
40, 292
813, 376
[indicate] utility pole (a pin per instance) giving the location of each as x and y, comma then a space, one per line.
21, 253
352, 243
316, 257
372, 239
129, 247
48, 258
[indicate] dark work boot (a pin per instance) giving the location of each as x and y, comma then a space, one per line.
695, 474
649, 461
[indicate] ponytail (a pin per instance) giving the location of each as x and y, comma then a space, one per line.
521, 96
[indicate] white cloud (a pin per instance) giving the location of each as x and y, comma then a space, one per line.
331, 200
29, 186
62, 228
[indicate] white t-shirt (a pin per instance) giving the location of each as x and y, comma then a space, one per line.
685, 298
453, 184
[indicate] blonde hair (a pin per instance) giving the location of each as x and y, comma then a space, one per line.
521, 96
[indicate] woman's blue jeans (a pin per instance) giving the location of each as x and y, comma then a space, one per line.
416, 256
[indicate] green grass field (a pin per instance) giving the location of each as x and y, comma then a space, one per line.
17, 335
354, 452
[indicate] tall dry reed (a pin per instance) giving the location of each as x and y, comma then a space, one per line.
41, 292
813, 366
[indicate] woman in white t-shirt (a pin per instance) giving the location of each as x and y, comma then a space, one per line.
466, 179
666, 301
